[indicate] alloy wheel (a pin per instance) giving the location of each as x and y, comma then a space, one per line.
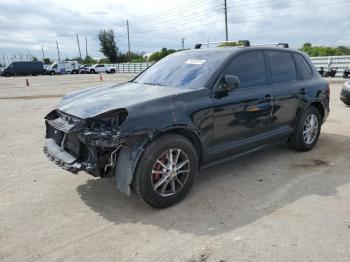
310, 129
170, 172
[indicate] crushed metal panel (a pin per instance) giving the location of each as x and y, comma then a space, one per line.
127, 160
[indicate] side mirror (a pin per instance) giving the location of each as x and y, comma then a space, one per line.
230, 82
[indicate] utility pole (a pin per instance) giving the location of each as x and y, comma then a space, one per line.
127, 27
226, 29
86, 52
58, 51
42, 51
79, 47
183, 43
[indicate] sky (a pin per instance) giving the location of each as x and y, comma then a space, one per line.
28, 25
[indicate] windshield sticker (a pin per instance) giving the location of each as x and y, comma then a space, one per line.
195, 62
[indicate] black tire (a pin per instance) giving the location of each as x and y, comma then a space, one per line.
298, 140
143, 181
52, 73
112, 71
92, 71
7, 74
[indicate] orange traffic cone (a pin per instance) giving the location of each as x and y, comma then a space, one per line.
101, 77
27, 82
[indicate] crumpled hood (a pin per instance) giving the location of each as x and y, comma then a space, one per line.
91, 102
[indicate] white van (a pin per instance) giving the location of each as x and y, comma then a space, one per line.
63, 67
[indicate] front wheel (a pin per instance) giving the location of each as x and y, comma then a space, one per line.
166, 171
308, 130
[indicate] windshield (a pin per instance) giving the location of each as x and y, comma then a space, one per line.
183, 69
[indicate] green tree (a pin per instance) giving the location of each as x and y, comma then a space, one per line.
156, 56
324, 50
80, 61
108, 46
34, 59
104, 61
47, 61
89, 60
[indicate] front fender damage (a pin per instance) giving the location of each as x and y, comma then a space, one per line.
126, 165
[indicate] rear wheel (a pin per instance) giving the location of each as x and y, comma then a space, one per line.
308, 130
112, 71
166, 171
35, 73
92, 71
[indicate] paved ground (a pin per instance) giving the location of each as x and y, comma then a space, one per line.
274, 205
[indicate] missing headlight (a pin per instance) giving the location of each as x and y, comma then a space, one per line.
110, 120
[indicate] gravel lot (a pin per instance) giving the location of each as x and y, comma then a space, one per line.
273, 205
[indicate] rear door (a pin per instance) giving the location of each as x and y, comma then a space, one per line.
287, 89
244, 112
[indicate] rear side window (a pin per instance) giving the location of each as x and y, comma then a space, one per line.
304, 66
250, 68
282, 66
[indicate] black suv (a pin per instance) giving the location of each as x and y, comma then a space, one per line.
187, 111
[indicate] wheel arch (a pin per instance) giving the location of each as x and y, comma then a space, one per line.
319, 106
191, 135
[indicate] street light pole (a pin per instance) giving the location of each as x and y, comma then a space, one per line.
226, 29
58, 51
127, 27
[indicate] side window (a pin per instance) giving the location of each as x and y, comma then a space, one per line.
282, 66
304, 66
249, 67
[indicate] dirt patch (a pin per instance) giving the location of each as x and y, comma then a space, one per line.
313, 163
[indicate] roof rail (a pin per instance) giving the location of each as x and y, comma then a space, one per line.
243, 43
284, 45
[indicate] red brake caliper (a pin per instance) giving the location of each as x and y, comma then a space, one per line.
158, 167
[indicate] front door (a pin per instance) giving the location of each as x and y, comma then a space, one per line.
244, 112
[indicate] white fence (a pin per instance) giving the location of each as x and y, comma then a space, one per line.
340, 62
131, 67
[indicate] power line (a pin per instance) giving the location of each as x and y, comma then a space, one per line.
185, 22
176, 10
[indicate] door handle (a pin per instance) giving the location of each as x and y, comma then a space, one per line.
302, 91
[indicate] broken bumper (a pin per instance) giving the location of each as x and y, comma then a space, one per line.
61, 157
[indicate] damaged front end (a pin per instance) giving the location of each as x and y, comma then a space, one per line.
89, 145
95, 145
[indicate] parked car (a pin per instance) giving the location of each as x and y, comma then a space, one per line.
63, 67
345, 93
190, 110
321, 71
100, 68
84, 69
331, 72
346, 73
23, 68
